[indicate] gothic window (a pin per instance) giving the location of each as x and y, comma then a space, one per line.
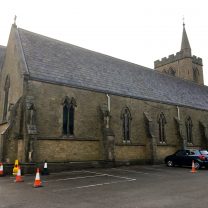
68, 116
164, 71
171, 71
189, 130
6, 97
195, 74
161, 125
126, 118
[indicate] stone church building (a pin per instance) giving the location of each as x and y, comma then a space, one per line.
62, 103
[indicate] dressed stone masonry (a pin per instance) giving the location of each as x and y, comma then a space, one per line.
183, 64
63, 103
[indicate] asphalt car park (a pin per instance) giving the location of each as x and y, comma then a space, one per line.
130, 186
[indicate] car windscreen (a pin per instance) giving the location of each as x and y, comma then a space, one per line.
204, 152
193, 152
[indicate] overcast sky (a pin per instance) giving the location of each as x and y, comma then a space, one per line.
138, 31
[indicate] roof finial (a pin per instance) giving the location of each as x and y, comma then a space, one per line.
183, 21
15, 18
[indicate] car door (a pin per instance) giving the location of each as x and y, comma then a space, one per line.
180, 157
188, 157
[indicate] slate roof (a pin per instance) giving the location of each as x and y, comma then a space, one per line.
2, 53
57, 62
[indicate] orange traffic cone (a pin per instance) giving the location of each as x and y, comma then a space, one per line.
1, 169
18, 176
193, 169
37, 182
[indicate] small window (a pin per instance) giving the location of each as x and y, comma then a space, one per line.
196, 74
171, 71
164, 71
6, 97
126, 117
68, 116
189, 129
161, 126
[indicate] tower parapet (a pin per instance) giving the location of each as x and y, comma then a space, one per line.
197, 60
176, 57
183, 64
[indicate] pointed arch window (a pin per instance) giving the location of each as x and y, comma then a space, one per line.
68, 116
171, 71
189, 126
6, 97
195, 74
161, 124
164, 71
126, 121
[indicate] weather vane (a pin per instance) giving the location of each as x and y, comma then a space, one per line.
15, 18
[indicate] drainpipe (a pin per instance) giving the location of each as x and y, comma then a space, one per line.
178, 112
107, 117
108, 102
184, 140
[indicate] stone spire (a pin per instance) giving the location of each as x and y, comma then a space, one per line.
185, 46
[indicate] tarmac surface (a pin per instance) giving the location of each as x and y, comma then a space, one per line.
154, 186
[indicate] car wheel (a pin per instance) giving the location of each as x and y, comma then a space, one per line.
170, 163
197, 165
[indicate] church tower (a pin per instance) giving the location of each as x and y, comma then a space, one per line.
182, 64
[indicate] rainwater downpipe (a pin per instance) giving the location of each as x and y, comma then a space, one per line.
108, 102
178, 112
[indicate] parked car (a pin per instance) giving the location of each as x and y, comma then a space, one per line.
186, 156
204, 152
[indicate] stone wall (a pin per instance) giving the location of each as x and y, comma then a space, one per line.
183, 67
163, 150
48, 99
173, 58
12, 68
65, 150
132, 152
10, 150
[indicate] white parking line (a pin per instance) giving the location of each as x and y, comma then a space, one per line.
115, 176
75, 178
152, 168
134, 171
63, 172
96, 174
93, 185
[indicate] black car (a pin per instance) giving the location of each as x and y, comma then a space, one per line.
185, 158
